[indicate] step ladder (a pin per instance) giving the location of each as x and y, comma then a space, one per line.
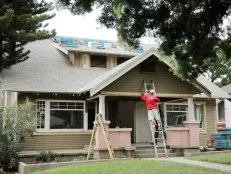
147, 87
100, 123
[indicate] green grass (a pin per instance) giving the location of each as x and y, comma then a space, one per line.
131, 167
223, 158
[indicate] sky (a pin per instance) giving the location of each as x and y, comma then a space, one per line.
85, 26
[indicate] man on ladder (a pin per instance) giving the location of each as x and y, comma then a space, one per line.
151, 101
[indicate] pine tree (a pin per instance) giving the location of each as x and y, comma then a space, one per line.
21, 21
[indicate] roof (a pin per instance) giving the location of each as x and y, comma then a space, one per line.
66, 44
47, 70
105, 79
227, 88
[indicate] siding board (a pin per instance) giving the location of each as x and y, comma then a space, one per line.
165, 81
211, 119
55, 142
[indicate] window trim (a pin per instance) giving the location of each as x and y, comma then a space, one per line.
165, 111
47, 116
217, 111
204, 128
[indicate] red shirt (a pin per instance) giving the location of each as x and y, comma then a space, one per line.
151, 101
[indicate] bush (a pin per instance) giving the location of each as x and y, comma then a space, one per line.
45, 156
15, 124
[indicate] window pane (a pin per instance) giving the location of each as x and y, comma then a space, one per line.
121, 60
98, 61
66, 119
176, 118
199, 114
79, 105
62, 105
54, 105
177, 107
71, 105
221, 111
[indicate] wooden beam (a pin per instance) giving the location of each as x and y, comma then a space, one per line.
137, 94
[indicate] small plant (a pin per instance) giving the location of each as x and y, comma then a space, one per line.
45, 156
60, 159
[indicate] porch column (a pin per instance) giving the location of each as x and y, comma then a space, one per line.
191, 117
192, 125
227, 109
102, 105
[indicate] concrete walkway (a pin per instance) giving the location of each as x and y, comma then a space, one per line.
221, 167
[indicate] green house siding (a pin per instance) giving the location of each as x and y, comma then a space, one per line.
165, 81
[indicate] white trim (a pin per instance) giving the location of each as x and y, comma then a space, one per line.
165, 111
47, 115
204, 126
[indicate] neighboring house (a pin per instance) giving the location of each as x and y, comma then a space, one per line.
224, 109
71, 82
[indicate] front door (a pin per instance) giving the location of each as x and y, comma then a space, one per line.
142, 126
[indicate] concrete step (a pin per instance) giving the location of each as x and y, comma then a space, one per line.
152, 155
148, 151
149, 146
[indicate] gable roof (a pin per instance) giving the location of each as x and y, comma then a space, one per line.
107, 78
47, 70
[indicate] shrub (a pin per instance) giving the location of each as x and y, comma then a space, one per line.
15, 124
45, 156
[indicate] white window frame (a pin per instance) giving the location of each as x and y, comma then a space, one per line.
204, 125
47, 116
165, 111
217, 111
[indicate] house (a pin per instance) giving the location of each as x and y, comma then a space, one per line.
224, 109
71, 80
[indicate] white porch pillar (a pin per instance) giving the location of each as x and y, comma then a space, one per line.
227, 109
191, 116
102, 105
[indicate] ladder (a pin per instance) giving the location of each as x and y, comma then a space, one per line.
147, 87
99, 123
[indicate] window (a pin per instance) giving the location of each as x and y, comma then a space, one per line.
221, 111
40, 110
121, 60
199, 114
147, 67
60, 114
176, 114
98, 61
66, 115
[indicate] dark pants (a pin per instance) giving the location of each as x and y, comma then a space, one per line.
157, 133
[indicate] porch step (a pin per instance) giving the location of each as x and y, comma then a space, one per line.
151, 151
152, 155
147, 151
149, 146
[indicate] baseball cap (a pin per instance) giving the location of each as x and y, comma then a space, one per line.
152, 91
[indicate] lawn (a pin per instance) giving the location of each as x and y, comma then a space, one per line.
223, 158
131, 167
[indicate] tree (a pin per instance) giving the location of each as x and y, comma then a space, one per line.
191, 30
21, 22
219, 70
